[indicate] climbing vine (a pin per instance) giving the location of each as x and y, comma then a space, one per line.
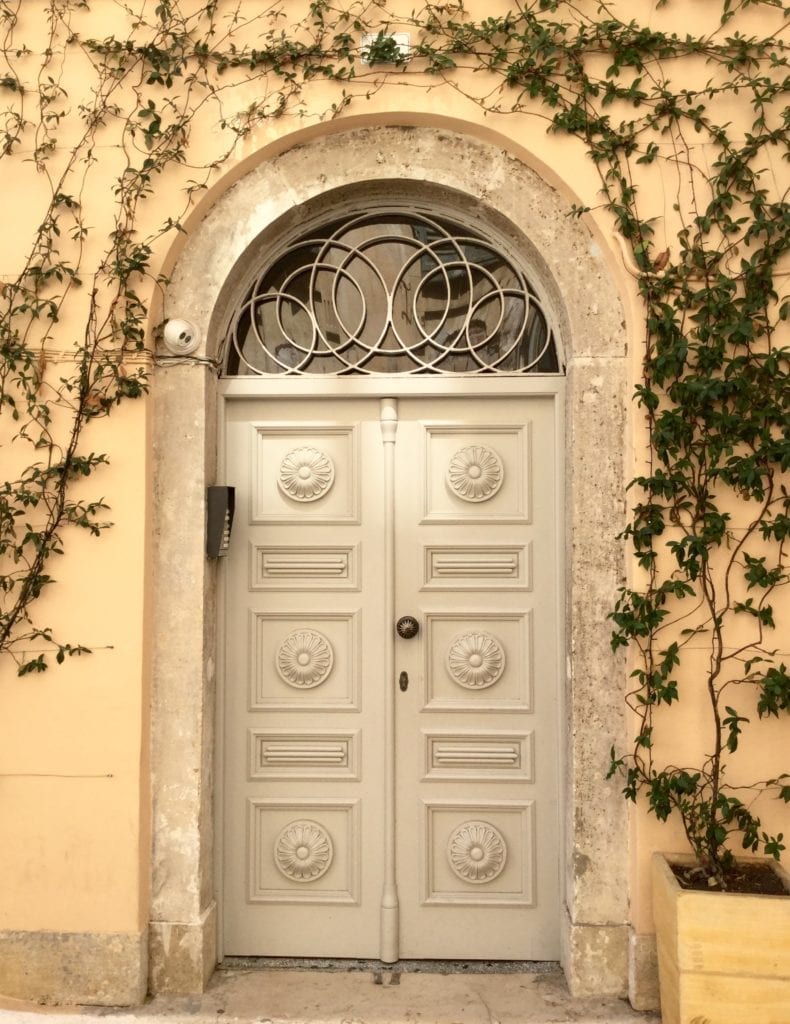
659, 109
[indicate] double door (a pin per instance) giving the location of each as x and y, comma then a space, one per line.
391, 683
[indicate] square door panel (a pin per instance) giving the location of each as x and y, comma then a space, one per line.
302, 851
479, 854
306, 474
478, 661
477, 474
304, 661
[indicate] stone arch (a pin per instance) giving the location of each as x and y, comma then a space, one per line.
589, 313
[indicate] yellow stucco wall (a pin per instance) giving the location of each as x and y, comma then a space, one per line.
74, 804
74, 758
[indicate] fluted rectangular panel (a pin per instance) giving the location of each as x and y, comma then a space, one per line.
463, 567
483, 757
307, 567
313, 754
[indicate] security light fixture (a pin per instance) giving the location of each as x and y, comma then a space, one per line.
181, 337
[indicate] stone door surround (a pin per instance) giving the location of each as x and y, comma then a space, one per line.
336, 164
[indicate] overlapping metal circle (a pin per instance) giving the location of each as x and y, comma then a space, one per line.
389, 292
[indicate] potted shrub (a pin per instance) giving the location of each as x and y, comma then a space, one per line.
710, 532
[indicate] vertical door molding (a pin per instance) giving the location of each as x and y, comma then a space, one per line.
390, 927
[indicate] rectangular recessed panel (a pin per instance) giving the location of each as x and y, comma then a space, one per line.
303, 851
478, 661
306, 474
498, 567
477, 474
481, 756
303, 755
308, 567
304, 661
479, 854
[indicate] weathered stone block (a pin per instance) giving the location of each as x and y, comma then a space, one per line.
105, 969
643, 972
595, 959
183, 956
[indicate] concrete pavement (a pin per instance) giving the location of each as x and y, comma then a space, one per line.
355, 997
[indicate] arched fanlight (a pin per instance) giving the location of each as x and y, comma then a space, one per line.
391, 292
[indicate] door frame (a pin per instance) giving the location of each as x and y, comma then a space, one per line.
575, 266
275, 389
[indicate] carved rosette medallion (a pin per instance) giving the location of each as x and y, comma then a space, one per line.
303, 851
477, 852
306, 474
475, 660
475, 473
304, 659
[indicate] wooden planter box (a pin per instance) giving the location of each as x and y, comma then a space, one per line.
723, 958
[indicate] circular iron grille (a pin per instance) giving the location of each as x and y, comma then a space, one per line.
391, 292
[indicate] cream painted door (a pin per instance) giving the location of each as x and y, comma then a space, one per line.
391, 797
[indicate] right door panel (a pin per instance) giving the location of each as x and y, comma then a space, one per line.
477, 728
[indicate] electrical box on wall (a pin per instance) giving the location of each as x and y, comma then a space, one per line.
220, 504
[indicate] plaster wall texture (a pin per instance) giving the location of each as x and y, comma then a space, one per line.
75, 797
75, 801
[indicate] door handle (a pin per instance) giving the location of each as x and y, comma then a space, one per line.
407, 627
403, 681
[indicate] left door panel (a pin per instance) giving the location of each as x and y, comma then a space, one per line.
302, 774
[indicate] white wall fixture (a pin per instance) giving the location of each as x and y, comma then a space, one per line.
181, 337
